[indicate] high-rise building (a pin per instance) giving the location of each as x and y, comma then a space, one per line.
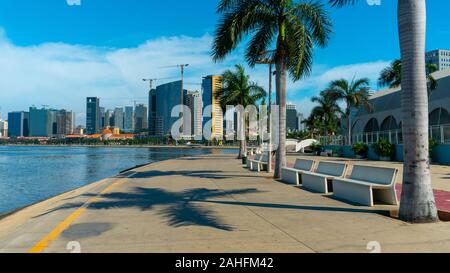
18, 124
193, 100
162, 100
3, 128
108, 118
211, 84
291, 118
128, 120
141, 117
118, 118
152, 115
41, 122
65, 121
102, 118
93, 115
440, 58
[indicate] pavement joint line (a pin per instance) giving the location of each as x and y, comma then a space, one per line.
270, 223
67, 222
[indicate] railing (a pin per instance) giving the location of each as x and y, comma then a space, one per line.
439, 133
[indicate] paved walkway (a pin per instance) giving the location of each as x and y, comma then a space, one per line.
208, 204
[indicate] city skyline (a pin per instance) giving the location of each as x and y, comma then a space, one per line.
79, 64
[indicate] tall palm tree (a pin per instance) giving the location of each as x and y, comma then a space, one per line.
355, 94
237, 89
392, 76
293, 27
327, 113
418, 204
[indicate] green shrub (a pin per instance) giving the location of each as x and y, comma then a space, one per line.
433, 143
360, 149
384, 148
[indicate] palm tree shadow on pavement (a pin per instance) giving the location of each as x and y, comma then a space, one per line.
179, 208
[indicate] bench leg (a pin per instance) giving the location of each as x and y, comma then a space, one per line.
291, 177
356, 193
315, 183
386, 196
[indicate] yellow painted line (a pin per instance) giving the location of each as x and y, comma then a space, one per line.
66, 223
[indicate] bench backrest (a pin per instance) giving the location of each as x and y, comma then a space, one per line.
332, 168
264, 158
304, 165
257, 157
376, 175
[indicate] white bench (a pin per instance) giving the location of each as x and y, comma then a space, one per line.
250, 161
367, 185
293, 175
260, 165
321, 180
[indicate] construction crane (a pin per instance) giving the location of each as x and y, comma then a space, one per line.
151, 81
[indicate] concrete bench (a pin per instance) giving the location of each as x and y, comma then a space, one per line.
321, 180
293, 175
367, 185
250, 161
260, 165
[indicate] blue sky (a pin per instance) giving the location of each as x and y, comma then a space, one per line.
55, 54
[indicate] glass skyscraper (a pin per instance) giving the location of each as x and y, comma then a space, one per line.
93, 115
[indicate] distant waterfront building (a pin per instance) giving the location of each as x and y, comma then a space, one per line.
118, 118
65, 122
93, 115
79, 130
291, 117
128, 119
152, 112
3, 128
440, 58
141, 117
162, 100
193, 100
41, 122
108, 118
18, 124
211, 84
102, 117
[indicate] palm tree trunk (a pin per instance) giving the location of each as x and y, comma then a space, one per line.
349, 128
281, 100
417, 204
241, 149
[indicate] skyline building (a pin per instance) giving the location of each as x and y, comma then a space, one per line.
162, 100
65, 122
3, 128
118, 118
128, 122
18, 124
40, 122
92, 115
193, 100
141, 117
210, 85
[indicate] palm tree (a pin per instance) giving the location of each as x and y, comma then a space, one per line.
237, 89
417, 204
294, 27
355, 94
392, 76
326, 113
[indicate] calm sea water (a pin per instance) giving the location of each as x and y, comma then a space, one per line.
32, 174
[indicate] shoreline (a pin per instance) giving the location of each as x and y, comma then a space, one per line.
184, 147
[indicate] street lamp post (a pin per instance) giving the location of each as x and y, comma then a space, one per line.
270, 62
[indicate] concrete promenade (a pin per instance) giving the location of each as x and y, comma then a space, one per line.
209, 204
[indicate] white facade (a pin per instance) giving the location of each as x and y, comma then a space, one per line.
439, 57
3, 128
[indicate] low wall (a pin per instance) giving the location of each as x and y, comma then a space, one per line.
441, 153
